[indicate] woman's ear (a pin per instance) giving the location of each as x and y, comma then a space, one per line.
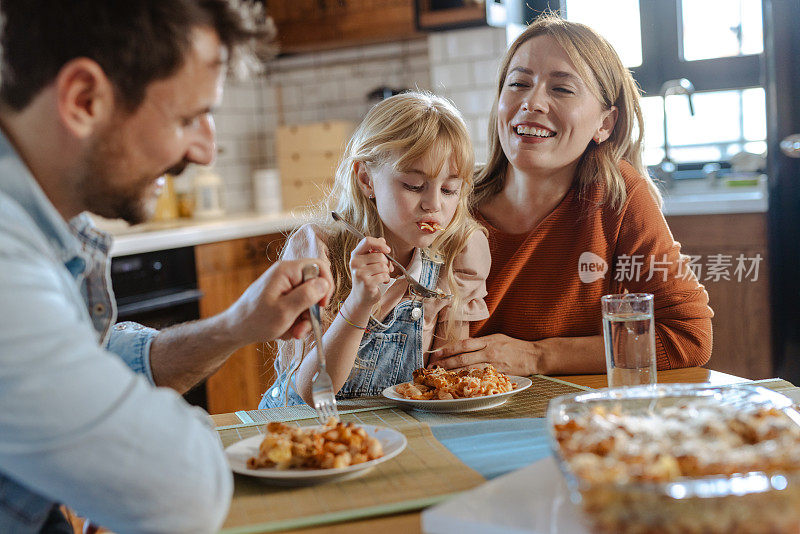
607, 125
364, 179
85, 97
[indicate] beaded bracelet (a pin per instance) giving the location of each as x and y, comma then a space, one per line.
348, 321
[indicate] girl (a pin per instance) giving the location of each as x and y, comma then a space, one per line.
405, 178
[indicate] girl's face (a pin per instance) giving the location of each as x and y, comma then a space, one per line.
416, 204
546, 114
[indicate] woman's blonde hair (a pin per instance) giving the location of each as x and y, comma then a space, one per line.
399, 131
603, 72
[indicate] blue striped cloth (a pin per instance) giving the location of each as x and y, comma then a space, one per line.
496, 447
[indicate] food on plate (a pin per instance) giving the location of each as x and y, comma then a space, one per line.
430, 227
690, 467
439, 384
333, 446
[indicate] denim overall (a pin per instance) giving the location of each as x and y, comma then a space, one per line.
388, 354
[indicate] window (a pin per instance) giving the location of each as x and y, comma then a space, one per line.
623, 30
716, 44
721, 28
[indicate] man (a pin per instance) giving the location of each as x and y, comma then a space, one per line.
99, 98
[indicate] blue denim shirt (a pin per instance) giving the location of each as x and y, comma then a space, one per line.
388, 353
81, 422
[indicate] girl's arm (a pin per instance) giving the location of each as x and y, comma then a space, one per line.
369, 269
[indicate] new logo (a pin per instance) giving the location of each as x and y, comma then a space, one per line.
591, 267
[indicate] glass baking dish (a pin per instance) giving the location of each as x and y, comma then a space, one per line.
750, 501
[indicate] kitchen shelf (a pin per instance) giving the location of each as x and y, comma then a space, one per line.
431, 18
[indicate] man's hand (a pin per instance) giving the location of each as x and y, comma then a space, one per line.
276, 305
507, 354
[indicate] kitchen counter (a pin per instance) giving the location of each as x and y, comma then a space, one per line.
701, 197
189, 232
692, 197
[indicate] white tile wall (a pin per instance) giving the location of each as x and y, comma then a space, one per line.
301, 89
460, 65
464, 68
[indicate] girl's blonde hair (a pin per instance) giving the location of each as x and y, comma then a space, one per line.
603, 72
398, 131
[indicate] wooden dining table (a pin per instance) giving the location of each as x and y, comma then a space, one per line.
410, 522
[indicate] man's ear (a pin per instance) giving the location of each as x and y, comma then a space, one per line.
364, 179
85, 96
607, 126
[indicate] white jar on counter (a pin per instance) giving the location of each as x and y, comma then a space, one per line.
267, 189
207, 194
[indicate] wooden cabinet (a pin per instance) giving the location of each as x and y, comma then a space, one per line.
224, 271
450, 14
309, 25
741, 303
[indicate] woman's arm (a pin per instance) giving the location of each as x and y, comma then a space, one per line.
682, 314
559, 356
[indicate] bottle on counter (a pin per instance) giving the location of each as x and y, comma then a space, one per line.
267, 189
167, 203
207, 194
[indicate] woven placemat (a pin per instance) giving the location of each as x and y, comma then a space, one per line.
423, 474
529, 403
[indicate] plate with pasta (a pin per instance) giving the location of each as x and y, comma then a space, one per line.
287, 455
465, 390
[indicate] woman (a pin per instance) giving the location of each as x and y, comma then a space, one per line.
564, 196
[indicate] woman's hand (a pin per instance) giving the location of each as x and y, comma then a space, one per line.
507, 354
369, 268
551, 356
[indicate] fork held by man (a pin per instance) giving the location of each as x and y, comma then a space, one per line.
322, 392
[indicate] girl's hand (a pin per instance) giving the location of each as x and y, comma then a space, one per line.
369, 268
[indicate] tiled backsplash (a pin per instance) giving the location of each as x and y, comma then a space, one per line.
464, 69
460, 65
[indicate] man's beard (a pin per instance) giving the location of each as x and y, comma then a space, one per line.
106, 185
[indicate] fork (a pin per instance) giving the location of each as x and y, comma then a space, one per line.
321, 385
414, 286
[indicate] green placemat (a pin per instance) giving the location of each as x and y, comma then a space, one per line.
423, 474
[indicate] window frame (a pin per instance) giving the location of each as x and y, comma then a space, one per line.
662, 56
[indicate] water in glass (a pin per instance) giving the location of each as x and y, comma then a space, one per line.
630, 343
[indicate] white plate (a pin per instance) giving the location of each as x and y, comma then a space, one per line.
459, 405
393, 443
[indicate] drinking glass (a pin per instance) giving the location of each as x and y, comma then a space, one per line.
630, 339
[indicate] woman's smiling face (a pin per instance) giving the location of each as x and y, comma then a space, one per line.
546, 114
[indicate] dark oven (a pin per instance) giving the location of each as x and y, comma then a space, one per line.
159, 289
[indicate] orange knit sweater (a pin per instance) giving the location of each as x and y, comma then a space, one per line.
536, 291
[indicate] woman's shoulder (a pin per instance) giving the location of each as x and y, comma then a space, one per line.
633, 178
638, 189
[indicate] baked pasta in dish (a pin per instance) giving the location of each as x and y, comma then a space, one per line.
439, 384
694, 467
333, 446
681, 441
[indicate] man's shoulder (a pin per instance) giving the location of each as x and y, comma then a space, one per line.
18, 231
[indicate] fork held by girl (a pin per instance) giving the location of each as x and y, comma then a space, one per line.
405, 178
